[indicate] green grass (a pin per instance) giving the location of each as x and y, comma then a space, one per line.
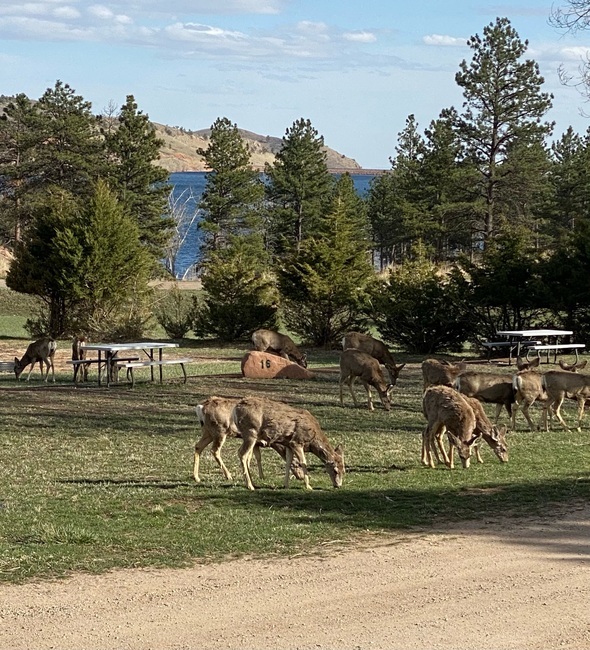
95, 478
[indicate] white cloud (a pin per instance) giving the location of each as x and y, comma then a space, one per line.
359, 37
440, 39
66, 13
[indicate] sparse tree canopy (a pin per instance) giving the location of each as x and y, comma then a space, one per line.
232, 200
141, 185
503, 104
298, 187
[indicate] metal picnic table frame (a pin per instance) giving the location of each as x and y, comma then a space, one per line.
517, 336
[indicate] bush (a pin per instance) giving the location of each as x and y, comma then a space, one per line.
176, 313
240, 296
421, 309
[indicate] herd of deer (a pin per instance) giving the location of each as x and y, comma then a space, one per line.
452, 404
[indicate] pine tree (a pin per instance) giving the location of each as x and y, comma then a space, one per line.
232, 199
298, 187
323, 285
17, 143
83, 259
68, 150
503, 103
133, 150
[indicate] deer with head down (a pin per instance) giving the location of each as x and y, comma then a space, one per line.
375, 348
267, 422
441, 373
447, 410
281, 344
215, 418
42, 351
354, 365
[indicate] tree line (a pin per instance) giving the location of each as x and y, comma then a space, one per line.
481, 223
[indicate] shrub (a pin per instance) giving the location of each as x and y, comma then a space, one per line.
421, 309
176, 313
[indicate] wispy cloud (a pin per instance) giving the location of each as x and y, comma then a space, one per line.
360, 37
442, 39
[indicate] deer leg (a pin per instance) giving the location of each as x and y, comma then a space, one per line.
476, 448
425, 457
258, 455
557, 411
438, 437
581, 404
216, 452
299, 454
369, 396
525, 412
499, 411
351, 381
341, 383
199, 447
288, 462
245, 455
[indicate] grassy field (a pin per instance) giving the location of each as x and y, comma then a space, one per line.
94, 479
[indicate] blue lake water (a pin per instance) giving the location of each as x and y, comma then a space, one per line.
187, 187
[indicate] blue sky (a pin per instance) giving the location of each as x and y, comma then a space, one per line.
355, 69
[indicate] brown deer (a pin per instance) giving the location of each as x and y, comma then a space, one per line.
376, 349
528, 388
441, 373
558, 385
487, 387
356, 364
43, 351
495, 437
79, 354
281, 344
445, 409
214, 416
268, 422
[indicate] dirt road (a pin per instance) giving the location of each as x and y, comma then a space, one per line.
498, 585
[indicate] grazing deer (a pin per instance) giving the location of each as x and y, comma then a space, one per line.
281, 344
42, 351
267, 422
79, 354
214, 416
528, 388
441, 373
489, 388
560, 384
495, 437
445, 409
376, 349
356, 364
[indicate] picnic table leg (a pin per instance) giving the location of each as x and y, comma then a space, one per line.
99, 365
160, 359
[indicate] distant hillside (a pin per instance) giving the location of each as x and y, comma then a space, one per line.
179, 151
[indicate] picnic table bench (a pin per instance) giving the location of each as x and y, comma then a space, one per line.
512, 345
555, 348
132, 364
6, 366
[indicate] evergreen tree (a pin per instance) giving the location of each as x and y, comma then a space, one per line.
232, 199
133, 150
83, 259
298, 187
421, 309
446, 182
17, 143
240, 293
68, 152
323, 285
503, 104
380, 202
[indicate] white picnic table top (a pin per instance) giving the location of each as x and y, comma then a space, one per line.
134, 345
534, 333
